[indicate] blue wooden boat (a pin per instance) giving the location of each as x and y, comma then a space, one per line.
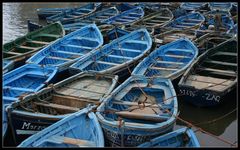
74, 13
224, 6
95, 17
22, 48
169, 61
43, 13
191, 6
26, 79
126, 17
179, 138
212, 76
7, 65
22, 81
80, 129
139, 110
70, 48
117, 56
191, 20
55, 102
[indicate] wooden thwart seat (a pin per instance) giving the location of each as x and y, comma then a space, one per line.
209, 80
126, 49
221, 72
39, 42
78, 46
226, 53
121, 57
107, 63
222, 63
57, 106
183, 50
12, 53
60, 58
50, 35
162, 68
73, 141
27, 47
170, 62
71, 53
177, 56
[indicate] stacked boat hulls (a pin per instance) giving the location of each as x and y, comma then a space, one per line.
143, 48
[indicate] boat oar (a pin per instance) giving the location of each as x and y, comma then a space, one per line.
141, 116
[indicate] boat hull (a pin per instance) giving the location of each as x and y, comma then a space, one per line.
202, 98
24, 126
131, 137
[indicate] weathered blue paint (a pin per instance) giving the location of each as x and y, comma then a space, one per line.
82, 125
225, 6
25, 119
191, 20
191, 6
118, 55
74, 13
24, 80
69, 49
168, 61
96, 17
132, 132
43, 13
126, 17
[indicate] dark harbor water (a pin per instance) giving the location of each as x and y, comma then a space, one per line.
220, 121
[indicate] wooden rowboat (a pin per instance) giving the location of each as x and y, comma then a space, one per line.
152, 21
189, 21
24, 47
80, 129
212, 76
169, 61
74, 13
95, 17
191, 6
43, 13
57, 101
118, 56
22, 81
126, 17
225, 6
137, 110
70, 48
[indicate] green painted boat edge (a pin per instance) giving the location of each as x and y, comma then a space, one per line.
61, 33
